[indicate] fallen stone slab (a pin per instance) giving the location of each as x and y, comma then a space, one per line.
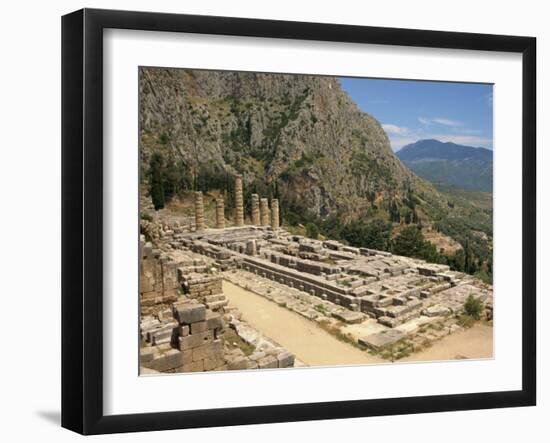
382, 339
268, 362
436, 311
285, 359
351, 317
389, 321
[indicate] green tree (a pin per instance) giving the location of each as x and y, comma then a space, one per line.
467, 256
312, 231
411, 243
456, 261
374, 234
156, 188
331, 226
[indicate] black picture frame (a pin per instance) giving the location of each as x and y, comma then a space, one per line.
82, 218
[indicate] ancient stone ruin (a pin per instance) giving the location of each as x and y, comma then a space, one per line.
373, 298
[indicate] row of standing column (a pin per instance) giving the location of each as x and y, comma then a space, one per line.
261, 213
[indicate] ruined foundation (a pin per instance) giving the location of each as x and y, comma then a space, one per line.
387, 298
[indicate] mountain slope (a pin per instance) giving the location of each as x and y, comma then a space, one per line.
450, 164
300, 135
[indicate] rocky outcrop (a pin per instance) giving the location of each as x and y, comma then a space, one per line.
303, 132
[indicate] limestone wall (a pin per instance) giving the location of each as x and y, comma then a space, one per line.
187, 340
158, 279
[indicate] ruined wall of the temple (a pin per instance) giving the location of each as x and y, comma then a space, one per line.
184, 339
158, 279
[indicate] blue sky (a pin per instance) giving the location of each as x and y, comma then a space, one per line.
414, 110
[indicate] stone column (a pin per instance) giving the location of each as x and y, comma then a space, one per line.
220, 213
275, 213
199, 212
255, 209
239, 207
264, 212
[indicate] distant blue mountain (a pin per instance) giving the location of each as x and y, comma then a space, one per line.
450, 164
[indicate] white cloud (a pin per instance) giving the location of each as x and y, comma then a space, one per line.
447, 122
394, 129
439, 120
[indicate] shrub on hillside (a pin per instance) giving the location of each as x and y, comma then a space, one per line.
473, 307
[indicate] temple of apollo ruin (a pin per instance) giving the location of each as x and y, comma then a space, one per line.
374, 298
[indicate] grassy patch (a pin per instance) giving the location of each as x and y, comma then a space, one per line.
466, 321
334, 330
233, 341
322, 309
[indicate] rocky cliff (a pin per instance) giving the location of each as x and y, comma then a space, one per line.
302, 132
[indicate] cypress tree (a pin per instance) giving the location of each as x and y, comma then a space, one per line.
156, 188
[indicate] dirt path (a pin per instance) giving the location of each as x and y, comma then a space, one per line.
307, 341
476, 342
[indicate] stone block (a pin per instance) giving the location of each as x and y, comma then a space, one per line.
184, 331
187, 313
267, 362
251, 364
197, 327
169, 360
196, 366
161, 337
169, 276
165, 315
211, 350
214, 320
237, 364
351, 317
187, 356
388, 321
285, 359
215, 305
195, 340
214, 364
382, 339
436, 311
146, 354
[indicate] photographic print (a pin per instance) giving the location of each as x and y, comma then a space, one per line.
292, 220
